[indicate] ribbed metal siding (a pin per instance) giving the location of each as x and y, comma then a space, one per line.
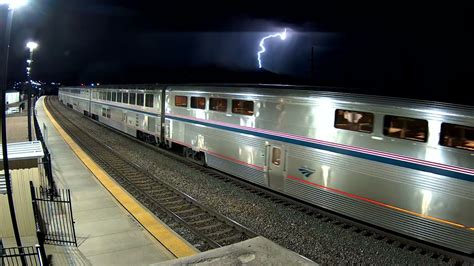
247, 173
3, 184
212, 133
428, 230
393, 173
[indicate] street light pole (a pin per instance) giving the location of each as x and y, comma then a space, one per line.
3, 89
32, 46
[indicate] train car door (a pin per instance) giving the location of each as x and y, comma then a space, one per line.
276, 166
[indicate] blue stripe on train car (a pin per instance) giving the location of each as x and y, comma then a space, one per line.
357, 154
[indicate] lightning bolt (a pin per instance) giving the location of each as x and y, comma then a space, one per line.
282, 36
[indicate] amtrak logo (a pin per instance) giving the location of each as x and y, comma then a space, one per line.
306, 171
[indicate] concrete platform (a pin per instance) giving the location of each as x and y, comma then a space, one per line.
107, 234
17, 128
255, 251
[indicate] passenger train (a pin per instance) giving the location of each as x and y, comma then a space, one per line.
404, 165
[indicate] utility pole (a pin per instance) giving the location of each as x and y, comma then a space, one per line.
6, 10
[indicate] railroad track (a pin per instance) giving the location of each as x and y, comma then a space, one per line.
367, 230
211, 228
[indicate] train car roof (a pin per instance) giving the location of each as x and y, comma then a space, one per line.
306, 92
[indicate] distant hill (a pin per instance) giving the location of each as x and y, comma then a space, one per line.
215, 74
208, 74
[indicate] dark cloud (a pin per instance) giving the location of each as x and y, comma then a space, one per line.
400, 49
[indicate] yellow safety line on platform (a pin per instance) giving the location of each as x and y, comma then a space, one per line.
167, 238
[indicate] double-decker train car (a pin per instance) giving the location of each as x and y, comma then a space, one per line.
404, 165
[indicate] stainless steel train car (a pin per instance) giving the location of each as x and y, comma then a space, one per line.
405, 165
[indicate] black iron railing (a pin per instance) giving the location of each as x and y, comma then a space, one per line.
23, 256
53, 216
47, 179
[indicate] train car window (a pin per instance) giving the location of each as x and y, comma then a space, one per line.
109, 95
114, 96
181, 101
457, 136
405, 128
140, 99
132, 98
218, 104
198, 102
125, 97
354, 120
119, 97
242, 107
149, 100
276, 156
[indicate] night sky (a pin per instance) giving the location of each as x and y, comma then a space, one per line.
412, 51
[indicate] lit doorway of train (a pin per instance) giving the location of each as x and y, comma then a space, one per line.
276, 166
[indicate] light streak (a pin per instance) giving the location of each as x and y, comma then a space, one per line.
282, 36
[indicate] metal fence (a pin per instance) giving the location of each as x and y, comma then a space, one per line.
23, 256
47, 179
53, 216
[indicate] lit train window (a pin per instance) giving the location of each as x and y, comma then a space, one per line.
119, 97
354, 120
109, 95
242, 107
114, 96
140, 99
181, 101
132, 98
125, 97
218, 104
149, 100
405, 128
198, 102
457, 136
276, 156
